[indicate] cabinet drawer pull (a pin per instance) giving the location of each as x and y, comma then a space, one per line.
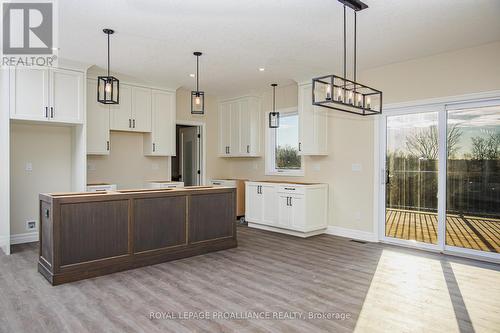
290, 188
290, 201
216, 183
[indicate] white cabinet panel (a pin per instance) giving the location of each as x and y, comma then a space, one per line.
67, 93
313, 124
97, 122
161, 140
29, 92
298, 209
141, 109
239, 127
121, 114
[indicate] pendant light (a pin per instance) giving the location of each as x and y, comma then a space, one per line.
343, 94
197, 97
274, 117
108, 87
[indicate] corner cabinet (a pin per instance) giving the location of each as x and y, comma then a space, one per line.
47, 94
295, 209
240, 127
161, 140
313, 124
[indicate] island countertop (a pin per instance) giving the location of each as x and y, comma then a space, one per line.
87, 234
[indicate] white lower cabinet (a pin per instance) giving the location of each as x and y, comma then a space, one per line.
296, 209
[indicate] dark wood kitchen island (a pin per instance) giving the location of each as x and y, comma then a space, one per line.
85, 235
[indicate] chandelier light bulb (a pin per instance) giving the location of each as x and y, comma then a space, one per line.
107, 87
328, 92
197, 100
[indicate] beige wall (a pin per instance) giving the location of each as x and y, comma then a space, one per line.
126, 166
48, 149
351, 137
215, 167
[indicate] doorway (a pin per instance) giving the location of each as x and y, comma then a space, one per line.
187, 164
440, 170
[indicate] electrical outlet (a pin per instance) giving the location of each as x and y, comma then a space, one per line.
357, 216
28, 167
356, 167
30, 225
90, 166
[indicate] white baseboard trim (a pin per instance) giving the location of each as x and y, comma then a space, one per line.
28, 237
352, 233
3, 241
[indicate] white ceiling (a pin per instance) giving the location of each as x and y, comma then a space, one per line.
292, 39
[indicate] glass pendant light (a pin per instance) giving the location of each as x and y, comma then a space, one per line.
274, 117
197, 97
340, 93
108, 87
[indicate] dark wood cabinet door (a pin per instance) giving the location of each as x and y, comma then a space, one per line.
211, 216
93, 230
159, 223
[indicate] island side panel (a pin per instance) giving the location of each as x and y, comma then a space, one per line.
93, 230
212, 216
46, 240
159, 223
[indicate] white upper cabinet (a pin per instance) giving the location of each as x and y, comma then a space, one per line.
121, 114
97, 122
141, 109
161, 140
133, 113
43, 94
239, 127
313, 124
66, 95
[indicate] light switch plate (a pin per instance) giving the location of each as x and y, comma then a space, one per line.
90, 166
31, 225
28, 166
356, 167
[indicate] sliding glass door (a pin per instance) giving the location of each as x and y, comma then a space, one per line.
440, 177
473, 179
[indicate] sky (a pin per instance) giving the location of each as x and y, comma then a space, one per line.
288, 132
471, 123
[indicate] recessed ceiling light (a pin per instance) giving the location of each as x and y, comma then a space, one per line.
261, 69
192, 75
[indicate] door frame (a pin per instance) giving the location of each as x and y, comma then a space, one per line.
201, 128
440, 105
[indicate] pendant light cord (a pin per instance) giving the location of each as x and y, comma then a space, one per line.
274, 99
108, 54
355, 47
197, 74
345, 48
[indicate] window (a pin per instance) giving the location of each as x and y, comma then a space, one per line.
283, 147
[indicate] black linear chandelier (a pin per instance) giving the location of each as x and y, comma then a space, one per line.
197, 97
340, 93
274, 117
108, 87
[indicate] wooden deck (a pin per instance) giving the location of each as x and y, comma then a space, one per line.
463, 231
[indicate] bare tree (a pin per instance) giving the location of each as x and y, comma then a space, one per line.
486, 148
424, 143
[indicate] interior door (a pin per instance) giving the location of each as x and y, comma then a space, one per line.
412, 154
190, 156
66, 96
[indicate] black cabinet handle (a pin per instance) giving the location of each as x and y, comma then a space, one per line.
51, 112
300, 146
289, 188
290, 201
129, 123
47, 213
154, 147
248, 149
107, 145
46, 112
133, 122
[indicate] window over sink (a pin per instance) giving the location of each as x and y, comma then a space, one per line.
282, 153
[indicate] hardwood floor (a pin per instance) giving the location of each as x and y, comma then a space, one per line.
382, 288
